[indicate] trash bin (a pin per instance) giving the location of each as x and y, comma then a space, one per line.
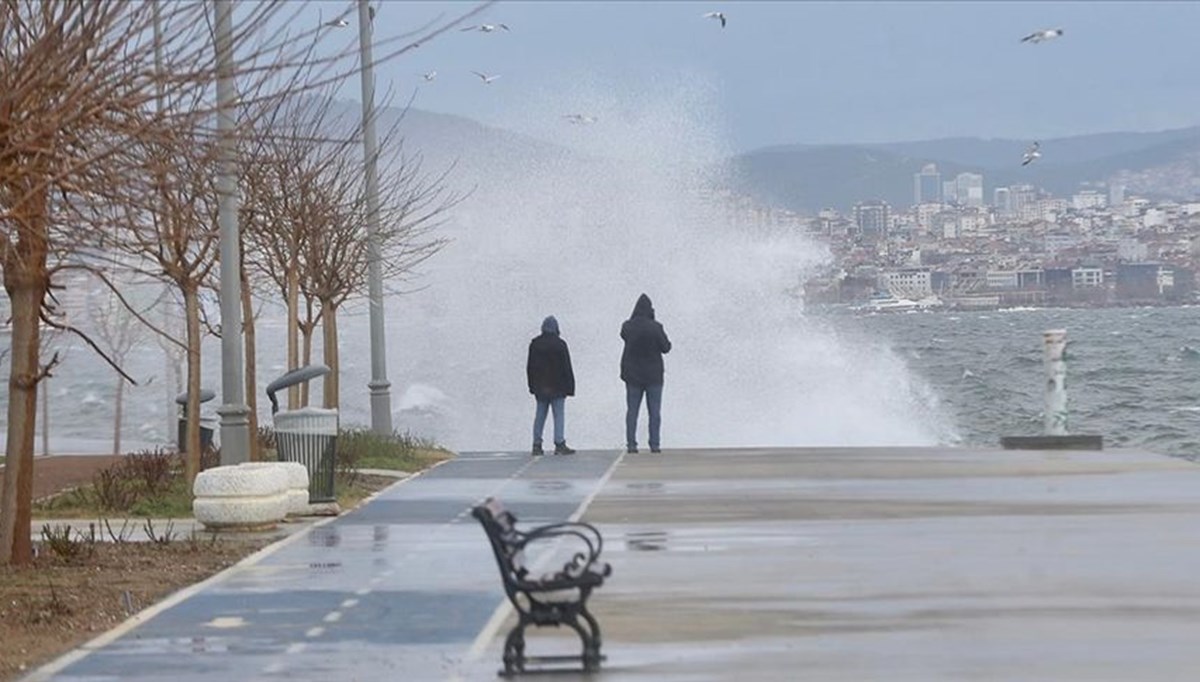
307, 436
206, 428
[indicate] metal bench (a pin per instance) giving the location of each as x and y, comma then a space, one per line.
551, 599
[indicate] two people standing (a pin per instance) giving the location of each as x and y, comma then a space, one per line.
551, 378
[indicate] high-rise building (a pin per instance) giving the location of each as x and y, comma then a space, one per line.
1002, 200
873, 217
927, 185
1116, 194
969, 189
1024, 202
949, 192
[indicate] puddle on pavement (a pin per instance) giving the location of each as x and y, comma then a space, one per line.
324, 565
646, 541
324, 536
547, 487
646, 486
379, 536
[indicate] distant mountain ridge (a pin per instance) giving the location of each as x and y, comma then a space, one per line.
806, 178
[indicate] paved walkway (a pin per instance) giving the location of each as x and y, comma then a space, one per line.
818, 564
397, 589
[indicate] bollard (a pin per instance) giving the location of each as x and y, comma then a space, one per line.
1055, 420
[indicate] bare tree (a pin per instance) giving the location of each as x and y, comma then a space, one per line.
118, 331
337, 254
74, 79
79, 128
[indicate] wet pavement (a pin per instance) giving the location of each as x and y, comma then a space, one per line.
819, 564
397, 589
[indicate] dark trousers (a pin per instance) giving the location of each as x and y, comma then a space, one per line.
633, 405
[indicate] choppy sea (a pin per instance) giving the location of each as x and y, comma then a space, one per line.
1133, 377
1133, 374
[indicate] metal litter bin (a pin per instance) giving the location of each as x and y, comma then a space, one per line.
206, 424
307, 436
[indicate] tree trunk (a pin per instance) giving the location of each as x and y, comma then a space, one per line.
330, 351
191, 300
16, 503
26, 281
307, 329
45, 416
293, 332
118, 414
251, 365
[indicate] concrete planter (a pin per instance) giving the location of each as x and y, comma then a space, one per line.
297, 483
238, 497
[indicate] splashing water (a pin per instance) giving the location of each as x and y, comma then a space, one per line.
579, 237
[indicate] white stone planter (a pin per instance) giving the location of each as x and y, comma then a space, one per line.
233, 497
297, 483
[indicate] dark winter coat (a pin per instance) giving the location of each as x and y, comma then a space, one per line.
549, 366
645, 343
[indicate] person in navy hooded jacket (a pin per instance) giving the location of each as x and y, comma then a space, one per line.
642, 371
551, 380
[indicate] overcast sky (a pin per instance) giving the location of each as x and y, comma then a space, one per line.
813, 72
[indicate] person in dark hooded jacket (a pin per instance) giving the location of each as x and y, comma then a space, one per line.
551, 380
642, 371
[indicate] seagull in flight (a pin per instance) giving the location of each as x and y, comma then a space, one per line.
338, 23
1042, 35
429, 76
487, 80
486, 28
580, 118
716, 15
1032, 154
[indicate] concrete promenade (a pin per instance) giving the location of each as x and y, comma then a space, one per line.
781, 564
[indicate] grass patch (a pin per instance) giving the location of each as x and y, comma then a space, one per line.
362, 449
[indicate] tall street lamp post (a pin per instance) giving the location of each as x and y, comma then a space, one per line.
235, 425
380, 387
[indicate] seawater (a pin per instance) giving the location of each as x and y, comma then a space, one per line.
1131, 372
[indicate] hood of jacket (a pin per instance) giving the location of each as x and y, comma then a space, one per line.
550, 325
643, 308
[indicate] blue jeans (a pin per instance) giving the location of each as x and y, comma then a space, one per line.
539, 420
633, 405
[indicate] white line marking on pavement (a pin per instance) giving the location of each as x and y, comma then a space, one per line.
333, 616
363, 591
276, 667
295, 648
349, 603
315, 632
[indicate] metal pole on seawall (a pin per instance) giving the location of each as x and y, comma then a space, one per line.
1054, 354
379, 386
235, 422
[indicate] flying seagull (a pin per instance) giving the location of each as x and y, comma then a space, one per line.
1042, 35
1032, 154
580, 118
486, 28
338, 23
487, 80
429, 76
716, 15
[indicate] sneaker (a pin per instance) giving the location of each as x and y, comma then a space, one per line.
537, 450
657, 451
563, 449
631, 450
